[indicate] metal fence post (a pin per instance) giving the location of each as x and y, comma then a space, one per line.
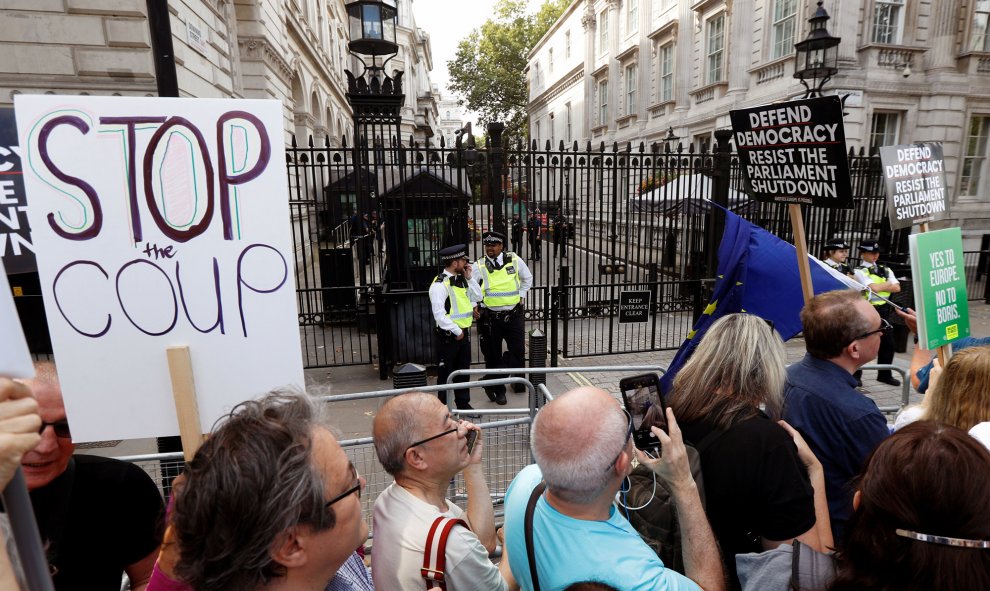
554, 316
496, 157
721, 176
537, 358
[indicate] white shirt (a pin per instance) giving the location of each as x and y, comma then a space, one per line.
439, 295
401, 523
525, 276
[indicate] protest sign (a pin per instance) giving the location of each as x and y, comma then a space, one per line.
915, 178
939, 287
15, 233
160, 222
794, 152
634, 306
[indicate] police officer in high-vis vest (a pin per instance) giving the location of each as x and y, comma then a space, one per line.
836, 253
504, 279
880, 280
452, 298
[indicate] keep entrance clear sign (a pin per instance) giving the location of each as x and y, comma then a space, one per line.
795, 152
939, 287
634, 306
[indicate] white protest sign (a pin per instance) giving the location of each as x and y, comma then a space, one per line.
160, 222
15, 359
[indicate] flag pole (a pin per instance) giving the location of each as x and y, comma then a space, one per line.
801, 244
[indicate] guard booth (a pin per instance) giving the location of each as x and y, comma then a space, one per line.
423, 213
342, 199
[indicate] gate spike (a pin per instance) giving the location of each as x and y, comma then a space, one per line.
311, 140
294, 141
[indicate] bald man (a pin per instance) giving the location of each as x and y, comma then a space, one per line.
423, 447
99, 517
582, 443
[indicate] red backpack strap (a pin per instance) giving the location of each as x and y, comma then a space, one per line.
435, 553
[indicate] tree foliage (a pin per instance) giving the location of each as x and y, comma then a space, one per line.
489, 68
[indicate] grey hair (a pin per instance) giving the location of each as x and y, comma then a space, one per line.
396, 427
739, 365
576, 468
251, 480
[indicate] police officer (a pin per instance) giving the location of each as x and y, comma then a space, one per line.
504, 279
836, 253
453, 294
517, 233
880, 280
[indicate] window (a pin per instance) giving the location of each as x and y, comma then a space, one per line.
884, 128
550, 60
631, 83
975, 161
981, 26
715, 49
602, 102
603, 31
888, 16
784, 19
632, 15
667, 72
567, 44
567, 122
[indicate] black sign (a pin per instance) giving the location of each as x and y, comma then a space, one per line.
794, 152
15, 234
915, 177
634, 306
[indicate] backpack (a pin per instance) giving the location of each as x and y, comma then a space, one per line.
657, 522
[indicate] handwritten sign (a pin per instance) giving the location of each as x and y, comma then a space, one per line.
15, 232
634, 306
160, 222
915, 177
795, 152
939, 286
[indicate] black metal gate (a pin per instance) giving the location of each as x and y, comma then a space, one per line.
597, 221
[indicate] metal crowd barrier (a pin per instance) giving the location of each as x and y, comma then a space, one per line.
892, 409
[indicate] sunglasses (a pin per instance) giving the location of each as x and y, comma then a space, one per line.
884, 329
354, 489
629, 434
61, 429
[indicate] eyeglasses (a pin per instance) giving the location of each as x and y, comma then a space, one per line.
884, 329
354, 489
629, 433
61, 429
438, 436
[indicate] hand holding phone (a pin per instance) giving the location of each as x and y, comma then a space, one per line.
472, 438
641, 397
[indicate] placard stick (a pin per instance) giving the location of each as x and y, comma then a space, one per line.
801, 243
184, 392
25, 533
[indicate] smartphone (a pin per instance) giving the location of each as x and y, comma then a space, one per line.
472, 438
641, 397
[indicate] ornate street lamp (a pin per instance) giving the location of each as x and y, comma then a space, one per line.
816, 56
372, 27
671, 139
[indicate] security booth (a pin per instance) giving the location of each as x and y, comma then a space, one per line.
425, 212
346, 196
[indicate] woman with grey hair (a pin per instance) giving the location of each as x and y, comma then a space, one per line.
759, 491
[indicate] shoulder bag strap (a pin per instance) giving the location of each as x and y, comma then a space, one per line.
435, 552
530, 548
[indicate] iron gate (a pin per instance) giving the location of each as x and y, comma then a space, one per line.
603, 220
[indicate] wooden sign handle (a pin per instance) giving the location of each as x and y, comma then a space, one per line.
184, 393
801, 243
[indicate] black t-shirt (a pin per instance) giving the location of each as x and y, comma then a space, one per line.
755, 486
112, 514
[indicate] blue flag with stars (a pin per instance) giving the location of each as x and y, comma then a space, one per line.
757, 274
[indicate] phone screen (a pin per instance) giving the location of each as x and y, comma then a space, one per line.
641, 395
472, 437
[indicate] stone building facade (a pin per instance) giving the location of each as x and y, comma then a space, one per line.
293, 51
634, 70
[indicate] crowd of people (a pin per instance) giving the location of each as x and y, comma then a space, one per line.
804, 484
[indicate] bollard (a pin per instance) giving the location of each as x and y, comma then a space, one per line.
538, 358
409, 375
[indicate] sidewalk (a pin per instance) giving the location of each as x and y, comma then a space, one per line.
354, 418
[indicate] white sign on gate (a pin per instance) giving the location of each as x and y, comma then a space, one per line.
160, 222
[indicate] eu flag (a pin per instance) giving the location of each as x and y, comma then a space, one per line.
758, 274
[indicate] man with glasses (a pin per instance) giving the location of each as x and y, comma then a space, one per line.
582, 443
880, 281
269, 502
842, 332
99, 517
423, 447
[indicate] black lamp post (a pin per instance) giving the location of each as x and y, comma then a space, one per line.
816, 56
372, 24
671, 138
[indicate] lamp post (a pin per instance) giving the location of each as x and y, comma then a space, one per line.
671, 138
817, 55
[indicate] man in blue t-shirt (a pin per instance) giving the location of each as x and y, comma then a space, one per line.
842, 333
582, 443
